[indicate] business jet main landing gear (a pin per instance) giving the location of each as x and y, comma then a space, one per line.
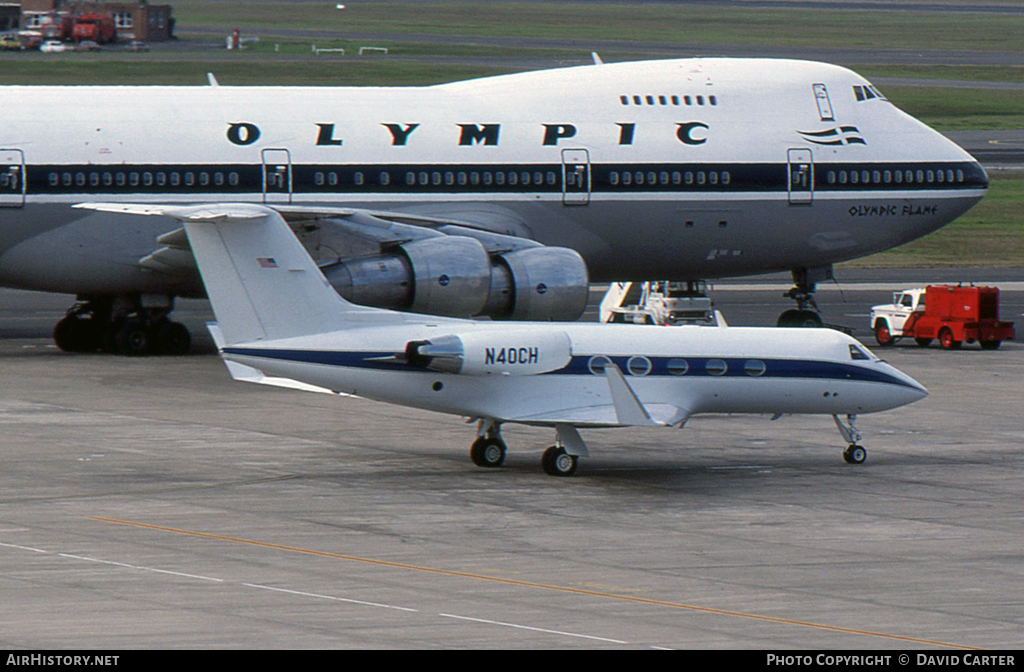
121, 325
561, 459
557, 462
488, 450
806, 313
854, 453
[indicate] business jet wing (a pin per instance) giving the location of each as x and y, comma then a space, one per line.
625, 409
605, 415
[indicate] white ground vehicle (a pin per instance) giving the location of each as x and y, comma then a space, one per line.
887, 320
53, 47
663, 303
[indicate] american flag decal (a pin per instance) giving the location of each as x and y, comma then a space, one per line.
266, 262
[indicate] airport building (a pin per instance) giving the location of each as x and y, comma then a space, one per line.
132, 20
10, 12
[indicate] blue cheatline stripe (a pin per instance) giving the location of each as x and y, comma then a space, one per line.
477, 178
699, 367
347, 358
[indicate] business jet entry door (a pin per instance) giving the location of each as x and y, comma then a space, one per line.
12, 178
277, 176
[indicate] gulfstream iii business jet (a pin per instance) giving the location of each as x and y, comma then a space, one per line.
499, 197
280, 321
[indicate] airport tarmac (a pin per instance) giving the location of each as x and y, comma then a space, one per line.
155, 503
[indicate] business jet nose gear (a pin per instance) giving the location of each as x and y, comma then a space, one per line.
854, 453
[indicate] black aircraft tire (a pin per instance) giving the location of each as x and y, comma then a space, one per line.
855, 454
799, 318
172, 338
487, 452
74, 334
557, 462
133, 339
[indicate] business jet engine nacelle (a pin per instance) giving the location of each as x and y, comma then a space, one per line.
507, 352
455, 276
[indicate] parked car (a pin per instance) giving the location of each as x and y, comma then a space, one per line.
88, 45
53, 47
135, 45
10, 43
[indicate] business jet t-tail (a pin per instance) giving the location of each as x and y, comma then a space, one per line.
280, 321
499, 197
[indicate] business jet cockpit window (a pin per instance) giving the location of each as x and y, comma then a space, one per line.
859, 354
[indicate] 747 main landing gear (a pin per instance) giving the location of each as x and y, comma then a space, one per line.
121, 325
854, 453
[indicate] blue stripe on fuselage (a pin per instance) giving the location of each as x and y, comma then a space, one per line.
736, 367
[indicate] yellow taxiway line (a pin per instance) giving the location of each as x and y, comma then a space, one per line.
531, 584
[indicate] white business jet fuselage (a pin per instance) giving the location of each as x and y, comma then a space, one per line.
682, 169
281, 322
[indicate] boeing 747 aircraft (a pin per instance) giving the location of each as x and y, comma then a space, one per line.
500, 197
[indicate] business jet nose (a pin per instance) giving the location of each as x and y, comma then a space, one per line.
917, 390
907, 390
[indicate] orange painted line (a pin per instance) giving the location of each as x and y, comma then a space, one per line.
540, 586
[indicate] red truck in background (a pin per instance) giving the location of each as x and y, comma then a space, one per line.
57, 26
98, 28
952, 314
